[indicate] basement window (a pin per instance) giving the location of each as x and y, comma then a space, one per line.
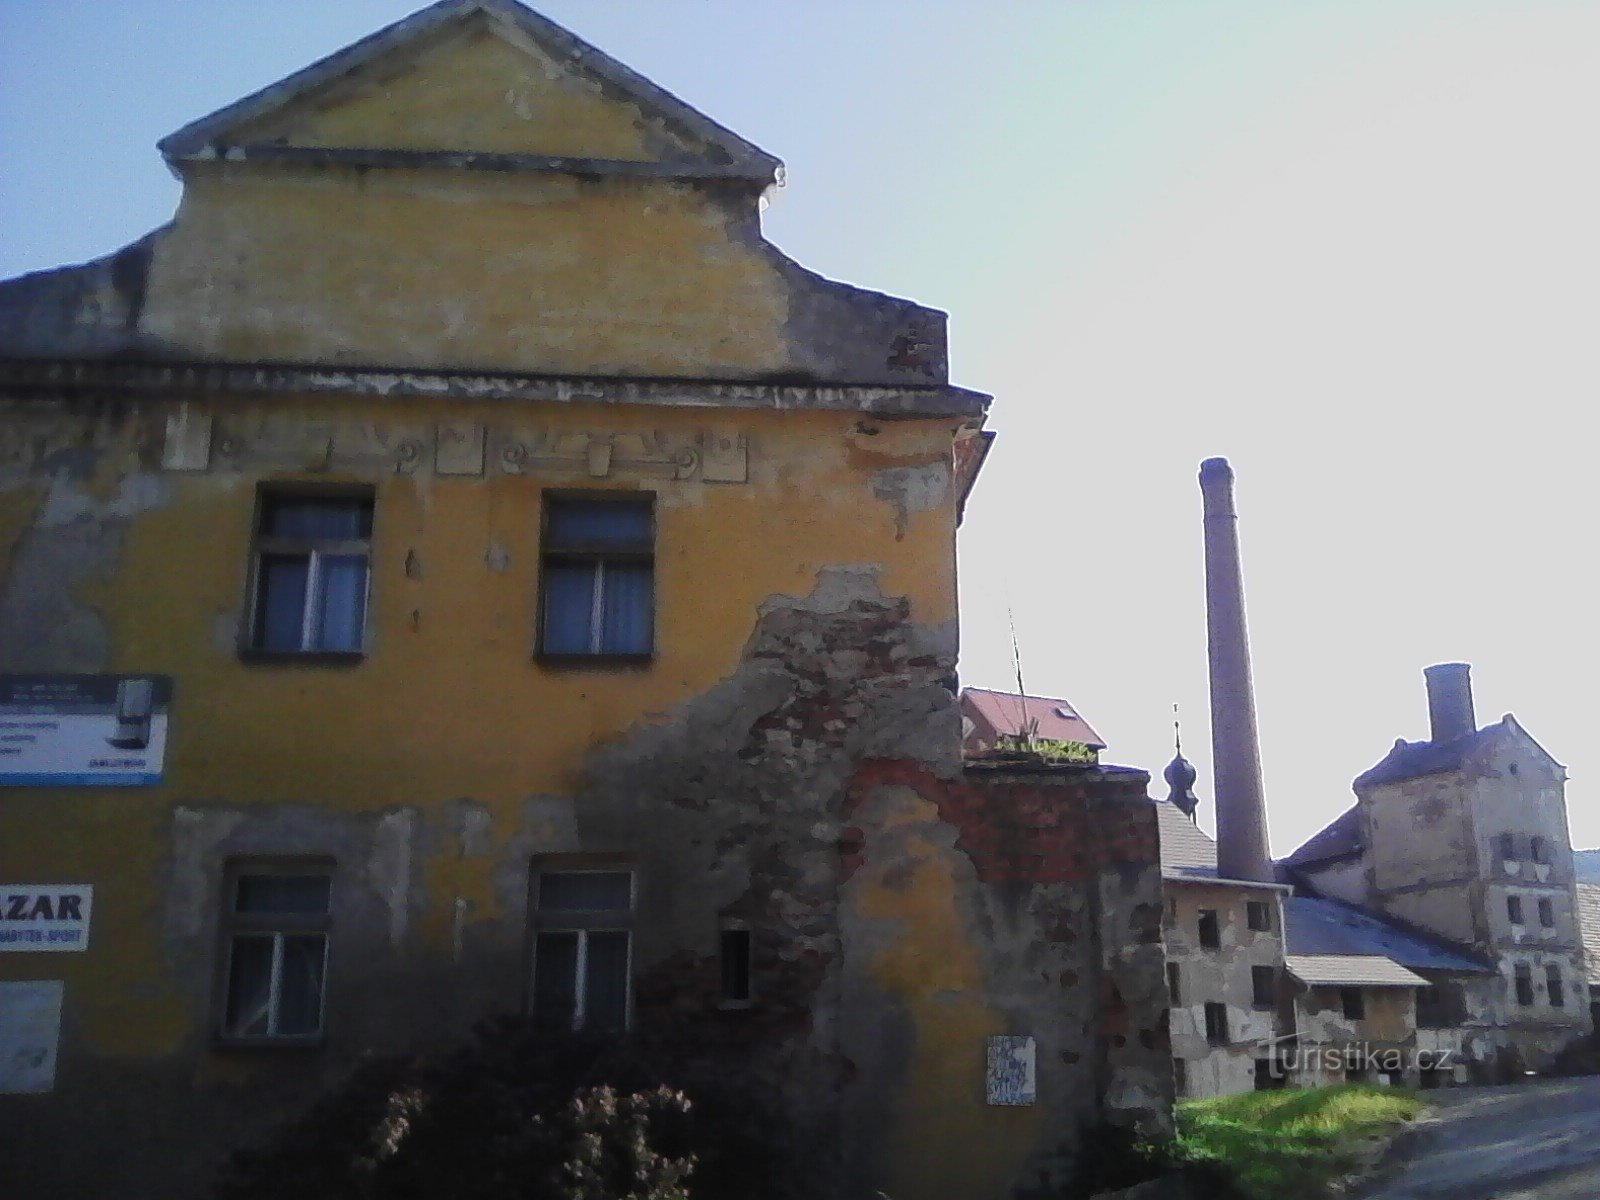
1264, 987
310, 567
597, 578
276, 952
735, 962
1210, 929
1353, 1003
1258, 915
1216, 1023
582, 948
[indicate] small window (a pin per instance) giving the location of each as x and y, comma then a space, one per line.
310, 572
582, 948
1524, 984
1353, 1003
597, 584
1216, 1023
1436, 1007
1174, 984
1258, 914
276, 938
1210, 930
1507, 843
1514, 909
1180, 1076
1270, 1075
1539, 850
1547, 914
1264, 987
735, 961
1558, 998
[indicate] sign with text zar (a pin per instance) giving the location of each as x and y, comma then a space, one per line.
45, 916
1011, 1074
83, 730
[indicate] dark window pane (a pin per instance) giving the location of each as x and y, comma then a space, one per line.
585, 891
300, 985
599, 524
249, 987
625, 615
606, 982
347, 518
555, 976
281, 601
283, 894
736, 964
568, 605
343, 603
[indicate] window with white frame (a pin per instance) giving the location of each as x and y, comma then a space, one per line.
312, 556
597, 586
275, 944
583, 943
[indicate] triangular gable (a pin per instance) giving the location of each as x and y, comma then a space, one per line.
474, 83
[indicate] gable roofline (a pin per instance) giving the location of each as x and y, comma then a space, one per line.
203, 139
1412, 760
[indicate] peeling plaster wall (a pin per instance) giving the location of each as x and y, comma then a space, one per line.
1221, 975
790, 760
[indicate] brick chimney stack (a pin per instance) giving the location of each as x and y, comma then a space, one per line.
1450, 701
1235, 747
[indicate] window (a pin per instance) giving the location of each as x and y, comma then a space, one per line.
1172, 910
1210, 930
1439, 1006
1258, 915
1547, 914
1539, 851
1216, 1023
1174, 984
1514, 909
735, 959
1524, 983
1180, 1076
597, 595
309, 587
1508, 846
1264, 986
1353, 1003
1552, 975
582, 945
1270, 1075
276, 941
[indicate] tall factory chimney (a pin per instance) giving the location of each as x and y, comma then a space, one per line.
1235, 748
1450, 713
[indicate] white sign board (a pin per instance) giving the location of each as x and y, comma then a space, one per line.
30, 1029
45, 916
83, 730
1011, 1076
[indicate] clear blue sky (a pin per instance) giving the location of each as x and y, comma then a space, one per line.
1350, 244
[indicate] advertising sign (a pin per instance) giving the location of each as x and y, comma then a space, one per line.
45, 916
1011, 1077
30, 1030
83, 730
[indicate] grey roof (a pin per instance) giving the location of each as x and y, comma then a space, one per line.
1341, 838
726, 154
1315, 927
1185, 847
1589, 929
1408, 760
1351, 970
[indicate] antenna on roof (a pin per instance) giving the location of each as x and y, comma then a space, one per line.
1024, 734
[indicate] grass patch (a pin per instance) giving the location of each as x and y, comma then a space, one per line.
1290, 1142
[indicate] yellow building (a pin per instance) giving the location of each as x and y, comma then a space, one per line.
459, 566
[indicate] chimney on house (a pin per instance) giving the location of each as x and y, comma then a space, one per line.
1450, 701
1235, 748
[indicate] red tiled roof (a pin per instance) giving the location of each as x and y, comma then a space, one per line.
1004, 713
